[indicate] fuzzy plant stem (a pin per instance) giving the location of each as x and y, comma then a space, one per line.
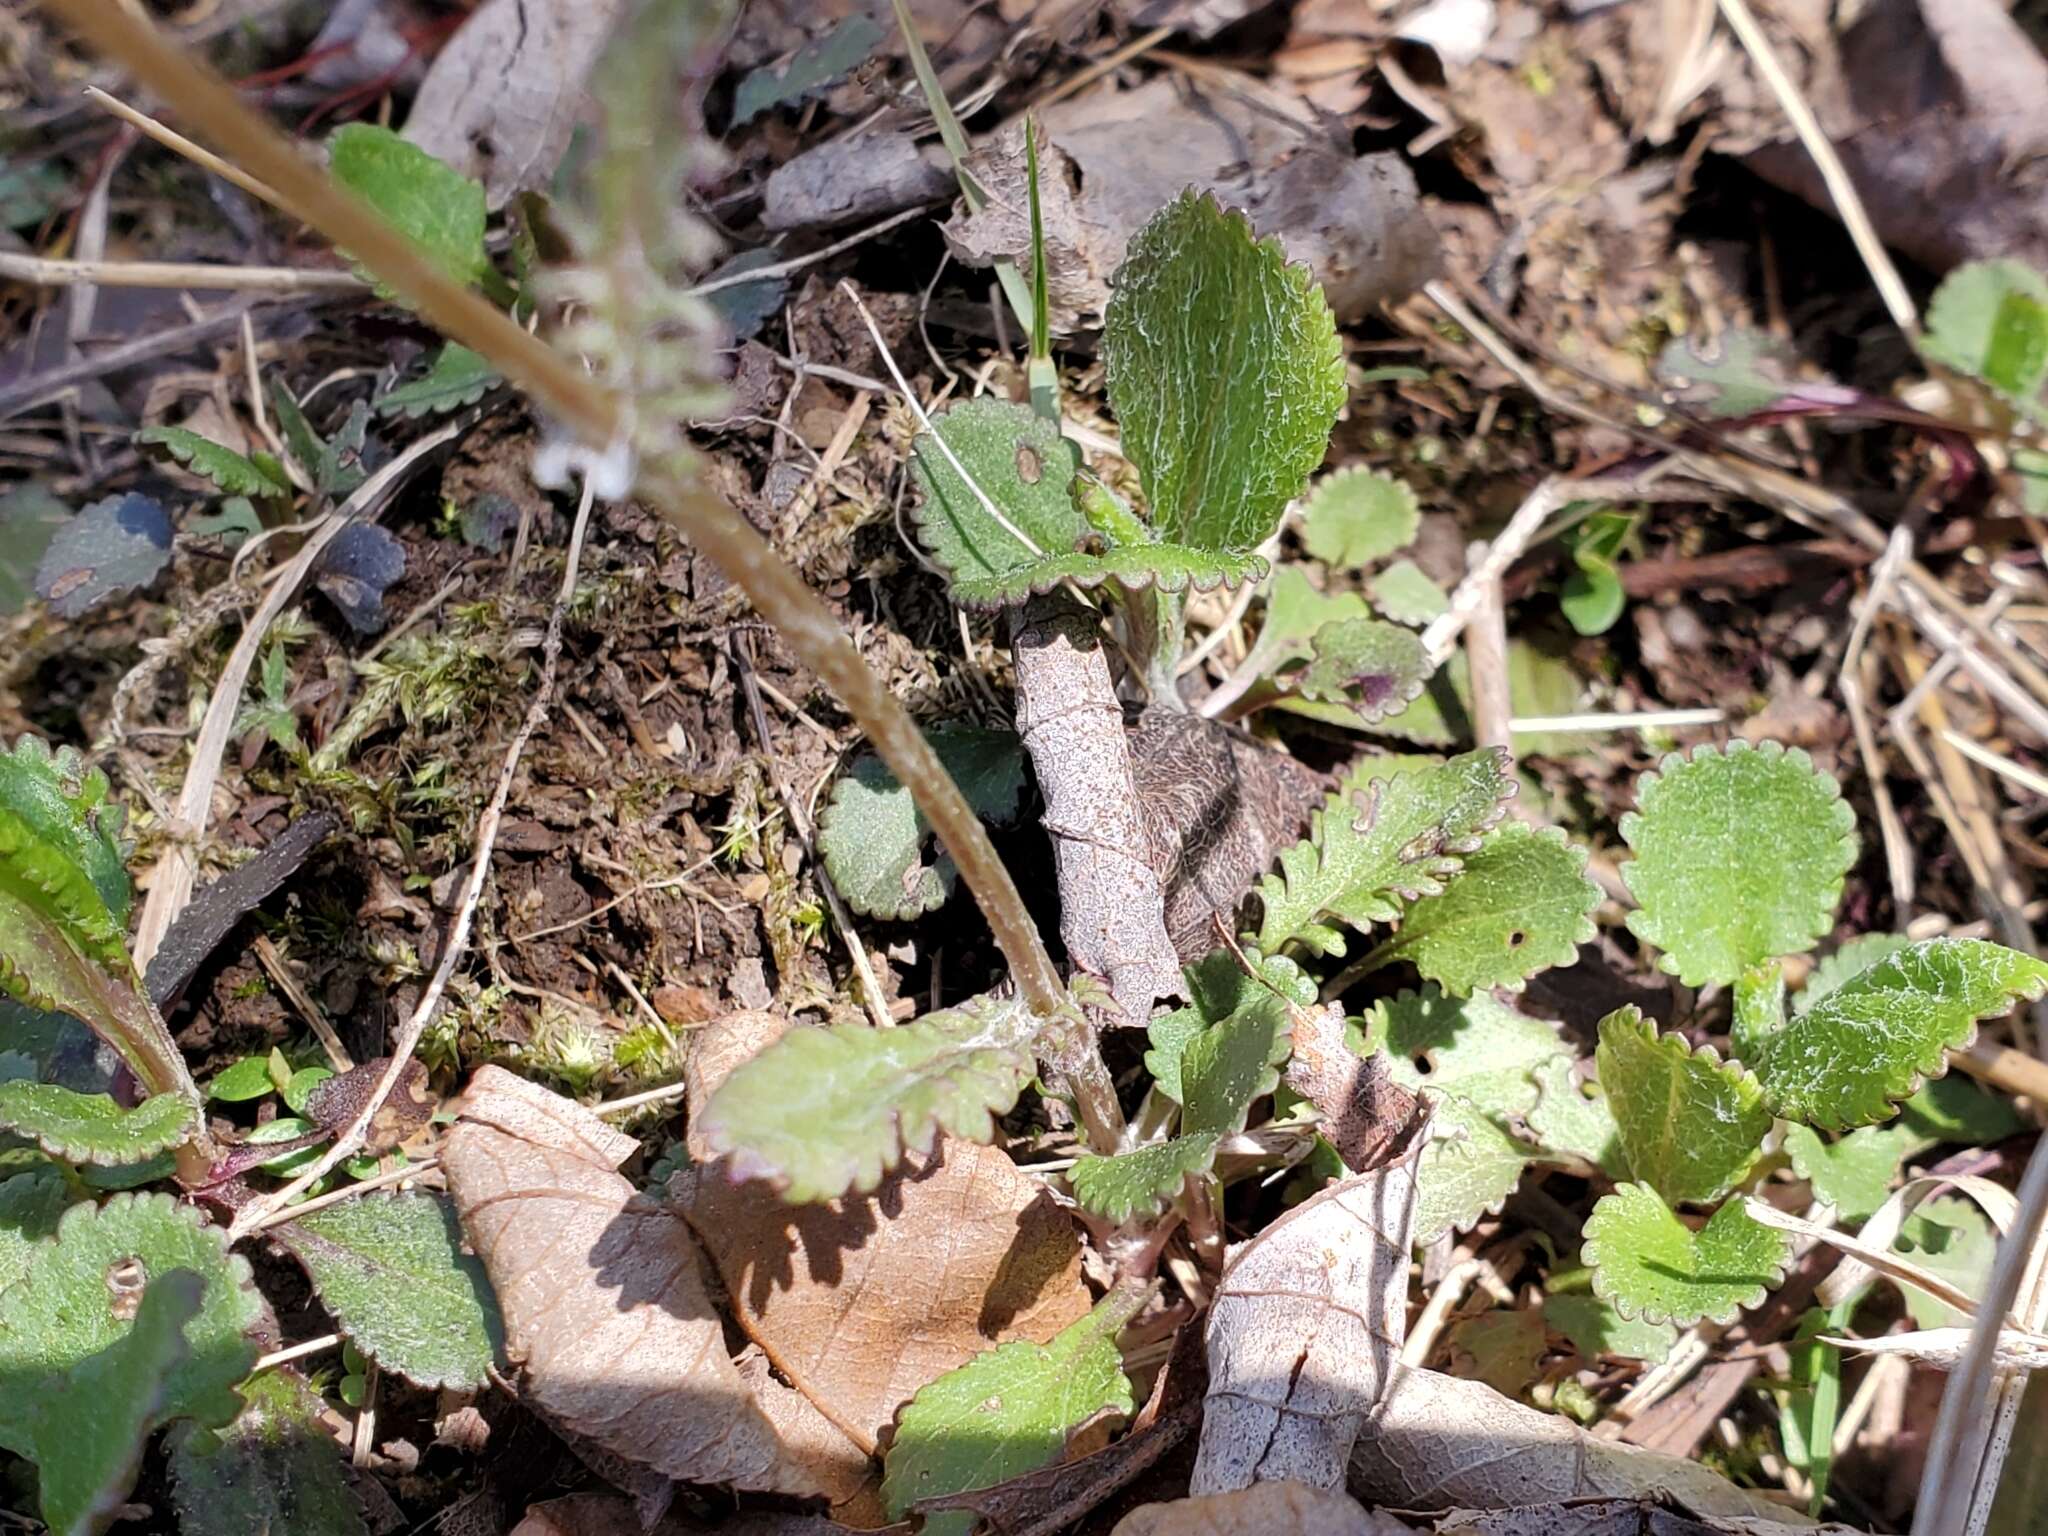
559, 385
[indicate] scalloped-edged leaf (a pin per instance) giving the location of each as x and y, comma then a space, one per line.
231, 472
826, 1110
1369, 666
1006, 1412
1522, 904
436, 207
1574, 1119
276, 1468
1225, 373
91, 1127
1142, 1182
1476, 1048
69, 1332
456, 377
1989, 319
1851, 1057
1649, 1265
1295, 610
1405, 593
1856, 956
1378, 842
873, 839
1596, 1329
1356, 516
1740, 854
1691, 1124
1232, 1063
392, 1271
1470, 1167
1220, 990
65, 802
1853, 1173
114, 545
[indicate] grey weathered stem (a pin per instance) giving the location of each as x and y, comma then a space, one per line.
1112, 906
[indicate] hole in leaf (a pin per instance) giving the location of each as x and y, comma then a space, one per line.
126, 1279
1030, 467
1516, 939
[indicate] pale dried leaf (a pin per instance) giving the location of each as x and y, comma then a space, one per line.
1363, 1109
715, 1051
1260, 1510
1308, 1321
861, 1301
1434, 1442
605, 1306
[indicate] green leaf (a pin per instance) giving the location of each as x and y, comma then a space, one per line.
434, 206
825, 1110
1357, 516
873, 838
1036, 538
1745, 372
73, 1345
88, 1444
115, 545
1470, 1167
1854, 957
1649, 1265
1596, 1329
1503, 1348
1592, 598
1379, 842
392, 1271
1478, 1049
31, 1204
1848, 1059
67, 805
234, 524
1523, 904
301, 1084
1955, 1109
456, 377
1575, 1119
30, 515
1951, 1236
1853, 1174
1372, 668
227, 469
1989, 319
1232, 1063
1006, 1412
1692, 1125
1169, 1035
1225, 373
1406, 595
1142, 1182
247, 1079
1740, 855
276, 1468
91, 1127
1219, 991
808, 71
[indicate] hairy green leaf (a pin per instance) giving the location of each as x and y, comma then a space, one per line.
1854, 957
1596, 1329
1851, 1057
456, 377
67, 805
873, 839
392, 1271
1475, 1048
1407, 595
826, 1110
230, 471
1740, 856
1035, 537
275, 1469
1470, 1167
1370, 667
1232, 1063
84, 1370
1649, 1265
1007, 1411
1854, 1173
1356, 516
31, 1204
1224, 371
1692, 1125
1378, 842
1989, 319
112, 546
1956, 1109
1142, 1182
437, 208
1523, 904
1575, 1119
91, 1127
1219, 991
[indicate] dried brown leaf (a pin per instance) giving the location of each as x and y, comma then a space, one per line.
336, 1101
604, 1514
715, 1051
1434, 1442
1307, 1323
1613, 1517
1363, 1109
606, 1311
1263, 1509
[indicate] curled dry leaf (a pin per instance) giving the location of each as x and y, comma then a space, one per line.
606, 1312
861, 1301
1259, 1510
1307, 1323
1434, 1442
